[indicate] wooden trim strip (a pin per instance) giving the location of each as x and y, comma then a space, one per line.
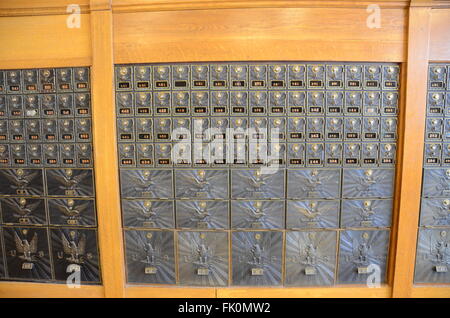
412, 144
120, 6
42, 290
105, 156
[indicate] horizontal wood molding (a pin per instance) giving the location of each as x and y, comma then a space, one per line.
169, 292
40, 290
41, 41
39, 7
177, 5
431, 292
258, 34
313, 292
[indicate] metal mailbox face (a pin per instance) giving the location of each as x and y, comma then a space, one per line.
51, 155
5, 159
64, 104
312, 214
310, 258
363, 254
180, 76
253, 184
257, 214
199, 76
202, 184
335, 76
161, 77
30, 80
67, 154
148, 213
15, 106
75, 251
437, 75
150, 257
142, 75
435, 212
219, 76
296, 155
334, 103
155, 184
219, 103
72, 212
27, 253
203, 258
203, 214
257, 258
366, 213
18, 154
144, 155
296, 128
368, 183
21, 182
70, 182
23, 211
333, 154
82, 104
334, 128
180, 103
436, 182
433, 256
433, 154
64, 79
313, 183
47, 80
258, 76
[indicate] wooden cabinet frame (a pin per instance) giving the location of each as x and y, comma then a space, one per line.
143, 31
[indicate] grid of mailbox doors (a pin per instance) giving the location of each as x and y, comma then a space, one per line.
47, 198
296, 192
433, 247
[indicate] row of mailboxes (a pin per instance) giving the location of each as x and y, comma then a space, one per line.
49, 254
433, 244
255, 128
255, 258
46, 155
67, 105
262, 174
255, 184
257, 214
46, 80
239, 75
257, 154
47, 188
257, 103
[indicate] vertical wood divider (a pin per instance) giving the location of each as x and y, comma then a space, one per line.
105, 154
412, 143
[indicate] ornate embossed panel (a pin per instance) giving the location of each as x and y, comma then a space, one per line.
150, 256
203, 258
310, 258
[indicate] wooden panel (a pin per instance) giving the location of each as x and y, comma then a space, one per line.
43, 41
162, 5
37, 290
105, 156
411, 143
431, 292
39, 7
440, 35
327, 292
258, 34
169, 292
